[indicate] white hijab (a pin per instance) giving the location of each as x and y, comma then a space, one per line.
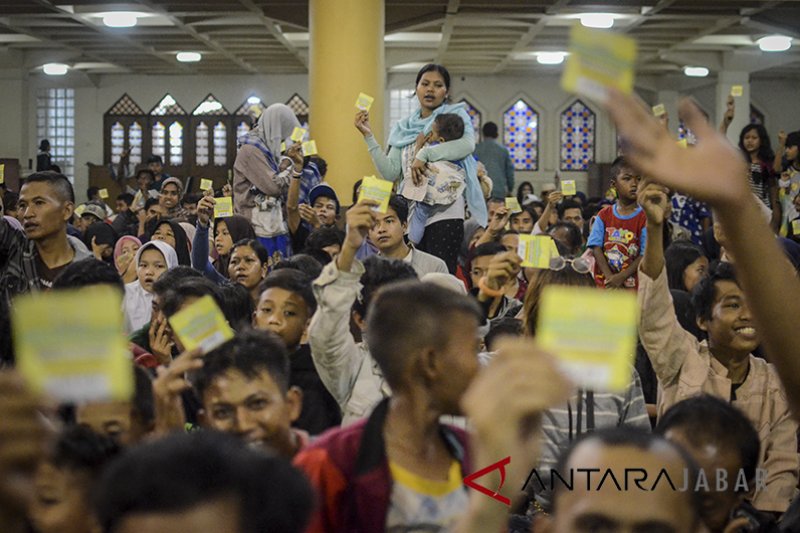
138, 303
275, 124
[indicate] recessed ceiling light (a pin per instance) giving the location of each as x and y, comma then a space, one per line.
188, 57
120, 19
597, 20
253, 100
775, 43
696, 72
550, 58
55, 69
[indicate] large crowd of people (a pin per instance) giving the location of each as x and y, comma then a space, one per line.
381, 360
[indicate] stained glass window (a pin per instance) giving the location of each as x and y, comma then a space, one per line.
159, 140
475, 115
220, 145
521, 135
201, 144
175, 144
117, 142
135, 143
577, 137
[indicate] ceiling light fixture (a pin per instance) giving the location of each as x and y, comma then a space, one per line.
253, 100
696, 72
597, 20
775, 43
188, 57
55, 69
120, 19
550, 58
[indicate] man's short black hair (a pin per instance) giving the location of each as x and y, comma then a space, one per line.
705, 292
400, 207
617, 166
568, 204
250, 352
150, 202
526, 209
450, 126
155, 159
487, 248
505, 326
379, 271
125, 197
303, 262
147, 172
78, 448
190, 198
292, 280
410, 315
574, 241
88, 272
56, 180
793, 139
188, 470
237, 306
188, 288
490, 130
324, 236
171, 277
92, 191
706, 419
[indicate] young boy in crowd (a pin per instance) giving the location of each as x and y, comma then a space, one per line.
723, 365
368, 476
285, 308
388, 236
145, 191
343, 292
523, 221
497, 303
619, 235
126, 222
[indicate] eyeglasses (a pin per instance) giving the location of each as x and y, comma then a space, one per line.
579, 265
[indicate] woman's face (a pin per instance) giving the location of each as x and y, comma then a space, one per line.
526, 189
751, 141
151, 265
693, 273
222, 239
129, 249
164, 233
245, 267
431, 90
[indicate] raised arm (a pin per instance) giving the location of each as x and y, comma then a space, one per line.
389, 166
205, 210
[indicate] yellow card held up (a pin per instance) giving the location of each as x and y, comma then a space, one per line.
70, 344
536, 251
298, 134
597, 61
683, 143
377, 190
2, 173
201, 325
659, 110
364, 101
223, 207
592, 333
103, 193
206, 184
568, 188
737, 90
512, 204
796, 227
309, 148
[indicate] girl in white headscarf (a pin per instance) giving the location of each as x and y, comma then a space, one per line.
261, 176
152, 260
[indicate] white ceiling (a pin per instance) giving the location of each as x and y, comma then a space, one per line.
468, 36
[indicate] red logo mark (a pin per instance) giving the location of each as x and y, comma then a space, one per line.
470, 480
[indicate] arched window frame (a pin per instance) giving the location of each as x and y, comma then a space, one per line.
576, 154
512, 138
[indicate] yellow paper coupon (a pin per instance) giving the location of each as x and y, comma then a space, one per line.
592, 332
103, 193
512, 204
309, 148
223, 207
683, 143
71, 345
597, 61
201, 325
737, 90
298, 134
536, 251
377, 190
659, 110
568, 188
796, 227
206, 184
364, 101
283, 147
2, 173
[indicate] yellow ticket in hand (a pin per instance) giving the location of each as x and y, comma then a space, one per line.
201, 325
283, 147
377, 190
568, 188
597, 61
2, 173
796, 227
309, 148
298, 134
70, 344
683, 143
103, 193
206, 184
592, 333
659, 110
512, 204
223, 207
737, 90
536, 251
364, 101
